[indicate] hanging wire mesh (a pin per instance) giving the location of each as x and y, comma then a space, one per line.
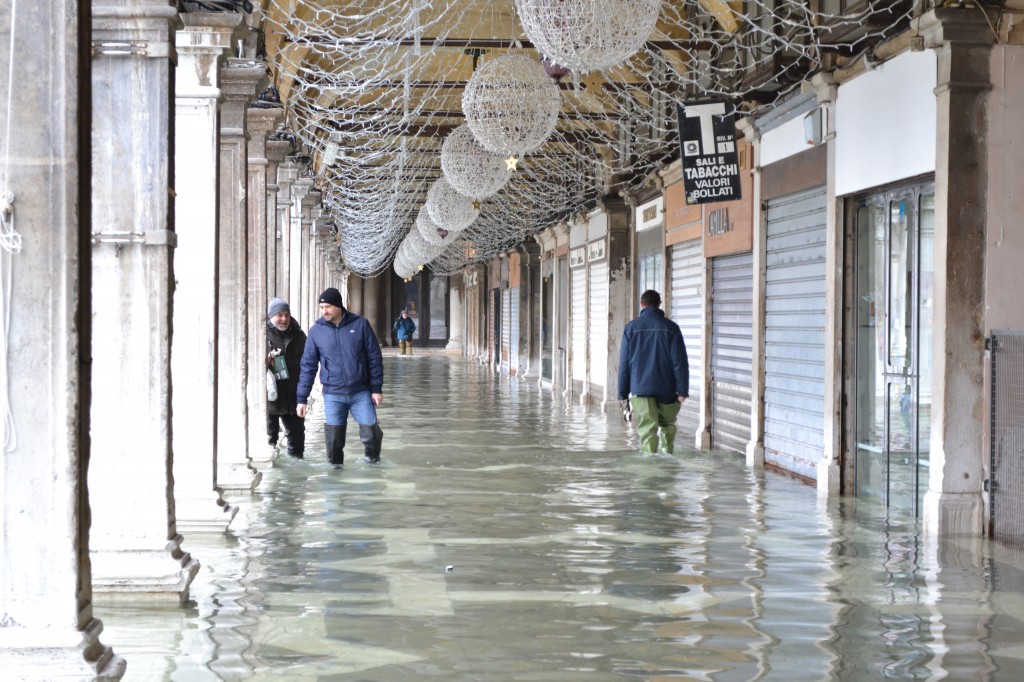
373, 88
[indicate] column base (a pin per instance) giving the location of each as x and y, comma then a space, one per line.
202, 513
828, 478
127, 575
454, 347
948, 514
58, 654
755, 454
238, 479
265, 459
702, 439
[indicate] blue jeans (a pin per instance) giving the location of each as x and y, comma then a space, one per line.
337, 407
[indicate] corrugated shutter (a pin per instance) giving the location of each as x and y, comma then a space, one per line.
599, 324
732, 318
513, 358
506, 327
685, 306
579, 324
794, 382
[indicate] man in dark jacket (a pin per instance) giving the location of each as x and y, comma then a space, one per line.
404, 327
345, 349
285, 340
653, 373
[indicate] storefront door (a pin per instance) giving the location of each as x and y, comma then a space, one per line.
895, 234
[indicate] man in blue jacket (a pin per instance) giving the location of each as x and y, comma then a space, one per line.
345, 349
653, 373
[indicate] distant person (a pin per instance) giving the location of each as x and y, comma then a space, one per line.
404, 326
345, 349
285, 343
654, 374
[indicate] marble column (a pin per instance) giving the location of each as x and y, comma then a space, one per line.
240, 80
310, 215
136, 549
354, 299
262, 121
456, 315
206, 39
47, 629
963, 42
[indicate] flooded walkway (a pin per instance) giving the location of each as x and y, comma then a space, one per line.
509, 536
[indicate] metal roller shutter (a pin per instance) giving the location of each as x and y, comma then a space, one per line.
685, 305
506, 327
732, 318
579, 324
598, 323
513, 357
794, 382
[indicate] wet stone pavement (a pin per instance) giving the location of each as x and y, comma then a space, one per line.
509, 535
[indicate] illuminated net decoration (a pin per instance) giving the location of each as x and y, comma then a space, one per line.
448, 209
587, 35
469, 168
417, 250
432, 234
373, 88
511, 105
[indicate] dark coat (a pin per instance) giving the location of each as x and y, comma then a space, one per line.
291, 343
405, 327
652, 358
348, 356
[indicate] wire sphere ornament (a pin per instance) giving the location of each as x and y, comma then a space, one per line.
469, 168
401, 263
448, 209
417, 251
588, 35
433, 234
511, 105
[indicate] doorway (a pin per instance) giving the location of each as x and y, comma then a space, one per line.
894, 284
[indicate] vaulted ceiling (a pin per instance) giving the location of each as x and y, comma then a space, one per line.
374, 87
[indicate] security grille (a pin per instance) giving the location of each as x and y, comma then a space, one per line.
1007, 482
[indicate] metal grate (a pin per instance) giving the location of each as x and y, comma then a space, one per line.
1007, 482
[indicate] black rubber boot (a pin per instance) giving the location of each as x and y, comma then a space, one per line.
334, 436
372, 437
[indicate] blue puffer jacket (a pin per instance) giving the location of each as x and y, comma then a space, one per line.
652, 358
348, 356
405, 327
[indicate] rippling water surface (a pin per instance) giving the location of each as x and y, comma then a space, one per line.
512, 536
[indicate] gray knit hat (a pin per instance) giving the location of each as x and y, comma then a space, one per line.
277, 305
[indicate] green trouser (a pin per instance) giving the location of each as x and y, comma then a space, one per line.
652, 415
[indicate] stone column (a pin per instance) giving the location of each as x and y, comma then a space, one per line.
963, 42
136, 549
202, 45
373, 308
354, 300
240, 80
829, 468
529, 262
47, 629
310, 213
456, 315
287, 174
277, 149
296, 243
620, 292
262, 120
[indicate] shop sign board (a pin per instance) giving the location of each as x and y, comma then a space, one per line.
707, 137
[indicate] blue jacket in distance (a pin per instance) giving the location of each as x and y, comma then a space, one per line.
405, 327
348, 356
652, 358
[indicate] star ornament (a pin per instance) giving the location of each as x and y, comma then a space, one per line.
510, 163
476, 204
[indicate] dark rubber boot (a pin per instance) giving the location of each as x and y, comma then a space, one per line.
334, 436
372, 437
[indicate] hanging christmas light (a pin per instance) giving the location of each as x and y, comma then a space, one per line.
448, 209
472, 170
511, 105
588, 35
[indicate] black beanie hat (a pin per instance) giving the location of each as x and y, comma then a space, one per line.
332, 296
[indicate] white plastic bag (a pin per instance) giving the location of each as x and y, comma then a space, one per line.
271, 386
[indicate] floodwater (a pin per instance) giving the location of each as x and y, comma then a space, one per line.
512, 536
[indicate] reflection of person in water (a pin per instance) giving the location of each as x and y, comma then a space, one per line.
907, 417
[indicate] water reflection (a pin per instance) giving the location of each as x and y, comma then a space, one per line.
510, 535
